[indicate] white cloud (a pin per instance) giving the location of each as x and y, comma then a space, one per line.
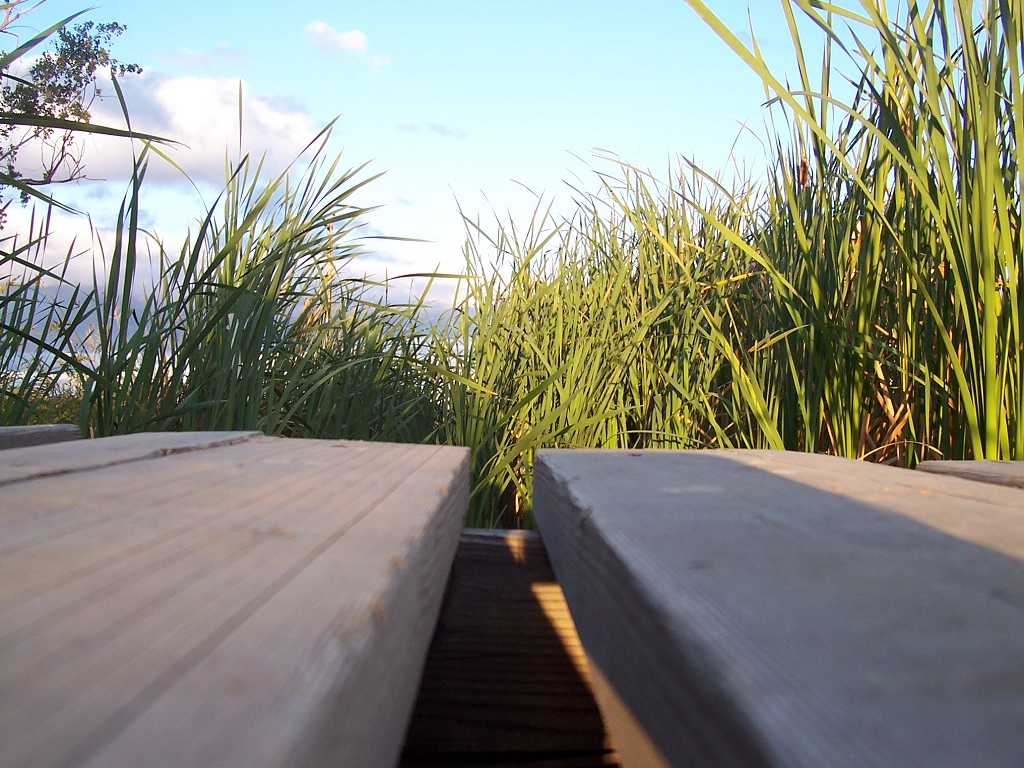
326, 37
200, 113
379, 62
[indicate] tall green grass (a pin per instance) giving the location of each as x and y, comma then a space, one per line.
594, 331
255, 323
40, 310
860, 298
897, 240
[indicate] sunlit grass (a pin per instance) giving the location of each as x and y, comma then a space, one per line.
862, 299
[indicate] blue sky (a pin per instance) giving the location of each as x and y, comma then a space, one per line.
459, 102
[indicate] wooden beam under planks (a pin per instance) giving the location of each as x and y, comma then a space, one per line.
219, 599
506, 682
782, 609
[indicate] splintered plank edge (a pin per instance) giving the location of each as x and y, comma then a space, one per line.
779, 609
276, 612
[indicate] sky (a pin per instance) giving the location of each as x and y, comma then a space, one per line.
477, 106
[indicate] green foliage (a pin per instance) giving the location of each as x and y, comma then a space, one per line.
899, 246
62, 82
40, 310
54, 100
252, 325
50, 105
587, 333
37, 330
863, 300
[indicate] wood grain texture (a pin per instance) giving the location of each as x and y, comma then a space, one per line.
219, 600
632, 742
506, 681
781, 609
42, 434
29, 463
1008, 473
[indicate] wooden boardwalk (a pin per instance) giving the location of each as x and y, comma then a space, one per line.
227, 599
219, 599
746, 608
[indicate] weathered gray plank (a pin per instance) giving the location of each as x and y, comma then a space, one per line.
1008, 473
235, 600
41, 434
27, 463
506, 681
780, 609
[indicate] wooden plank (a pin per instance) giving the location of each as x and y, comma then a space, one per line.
220, 600
506, 681
40, 434
782, 609
1008, 473
29, 463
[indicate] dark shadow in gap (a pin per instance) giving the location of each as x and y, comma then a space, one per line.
506, 681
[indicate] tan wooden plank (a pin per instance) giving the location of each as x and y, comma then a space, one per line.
239, 611
505, 679
120, 605
124, 593
40, 434
66, 510
1009, 473
100, 531
778, 609
20, 464
237, 580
